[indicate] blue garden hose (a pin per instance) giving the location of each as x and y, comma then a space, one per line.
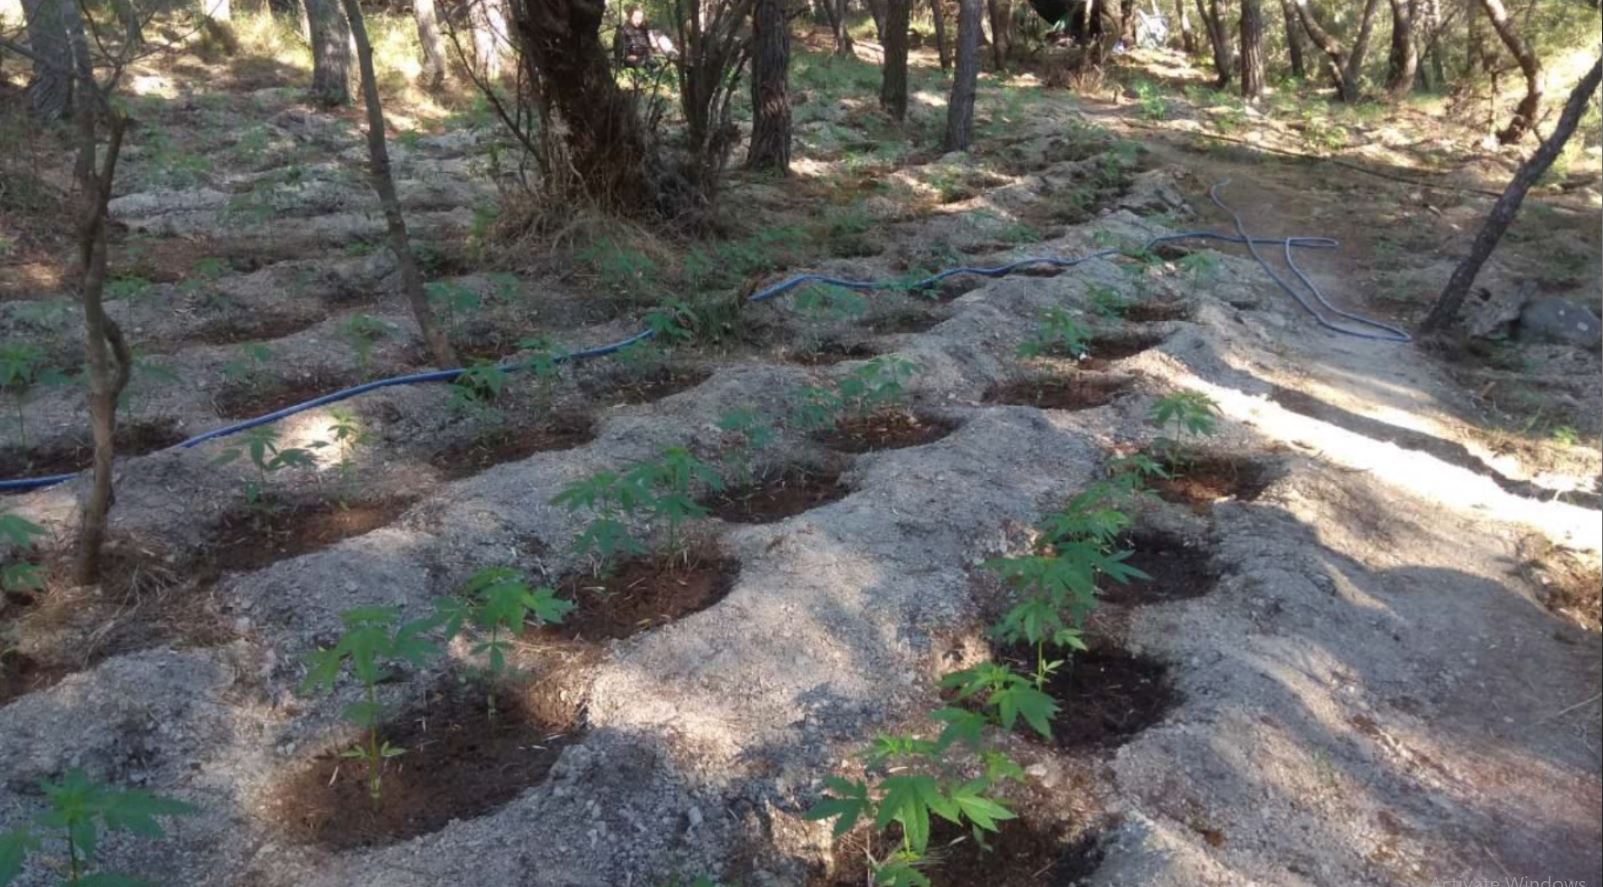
1388, 333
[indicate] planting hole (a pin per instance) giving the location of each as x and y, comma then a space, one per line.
1104, 697
832, 352
1073, 392
560, 432
251, 539
134, 438
458, 764
885, 430
657, 385
21, 674
1203, 480
246, 401
1157, 311
1179, 570
644, 593
1118, 346
904, 322
235, 329
776, 498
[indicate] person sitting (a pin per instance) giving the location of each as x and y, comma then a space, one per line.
632, 44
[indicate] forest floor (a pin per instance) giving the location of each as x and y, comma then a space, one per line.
1370, 653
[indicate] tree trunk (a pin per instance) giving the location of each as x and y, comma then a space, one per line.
1474, 40
586, 115
1188, 37
843, 37
876, 10
1213, 21
1447, 306
331, 52
133, 31
1293, 39
379, 170
219, 24
1360, 50
107, 360
960, 109
1524, 115
50, 90
1403, 60
893, 69
1433, 45
1336, 56
1252, 66
942, 49
1001, 34
428, 37
770, 88
489, 33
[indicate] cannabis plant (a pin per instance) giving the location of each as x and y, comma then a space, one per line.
374, 639
500, 603
22, 372
1058, 333
18, 533
910, 780
669, 480
612, 499
752, 432
250, 366
80, 811
543, 363
260, 446
363, 332
1181, 415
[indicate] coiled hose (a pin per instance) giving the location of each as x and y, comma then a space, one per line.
1289, 244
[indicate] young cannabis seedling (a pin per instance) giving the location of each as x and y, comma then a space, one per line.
611, 498
345, 433
669, 480
80, 810
22, 372
1182, 414
1058, 333
1107, 301
543, 363
260, 446
454, 302
909, 782
1005, 695
363, 332
754, 432
499, 601
374, 639
250, 366
18, 533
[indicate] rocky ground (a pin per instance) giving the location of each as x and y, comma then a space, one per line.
1371, 666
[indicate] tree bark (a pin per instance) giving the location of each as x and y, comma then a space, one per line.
770, 88
893, 69
1524, 115
379, 171
1001, 17
1402, 62
1213, 21
107, 360
331, 52
876, 11
1188, 37
1252, 64
489, 20
1447, 306
1433, 45
1293, 39
50, 89
428, 37
1474, 40
943, 50
1342, 65
837, 21
965, 80
585, 114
